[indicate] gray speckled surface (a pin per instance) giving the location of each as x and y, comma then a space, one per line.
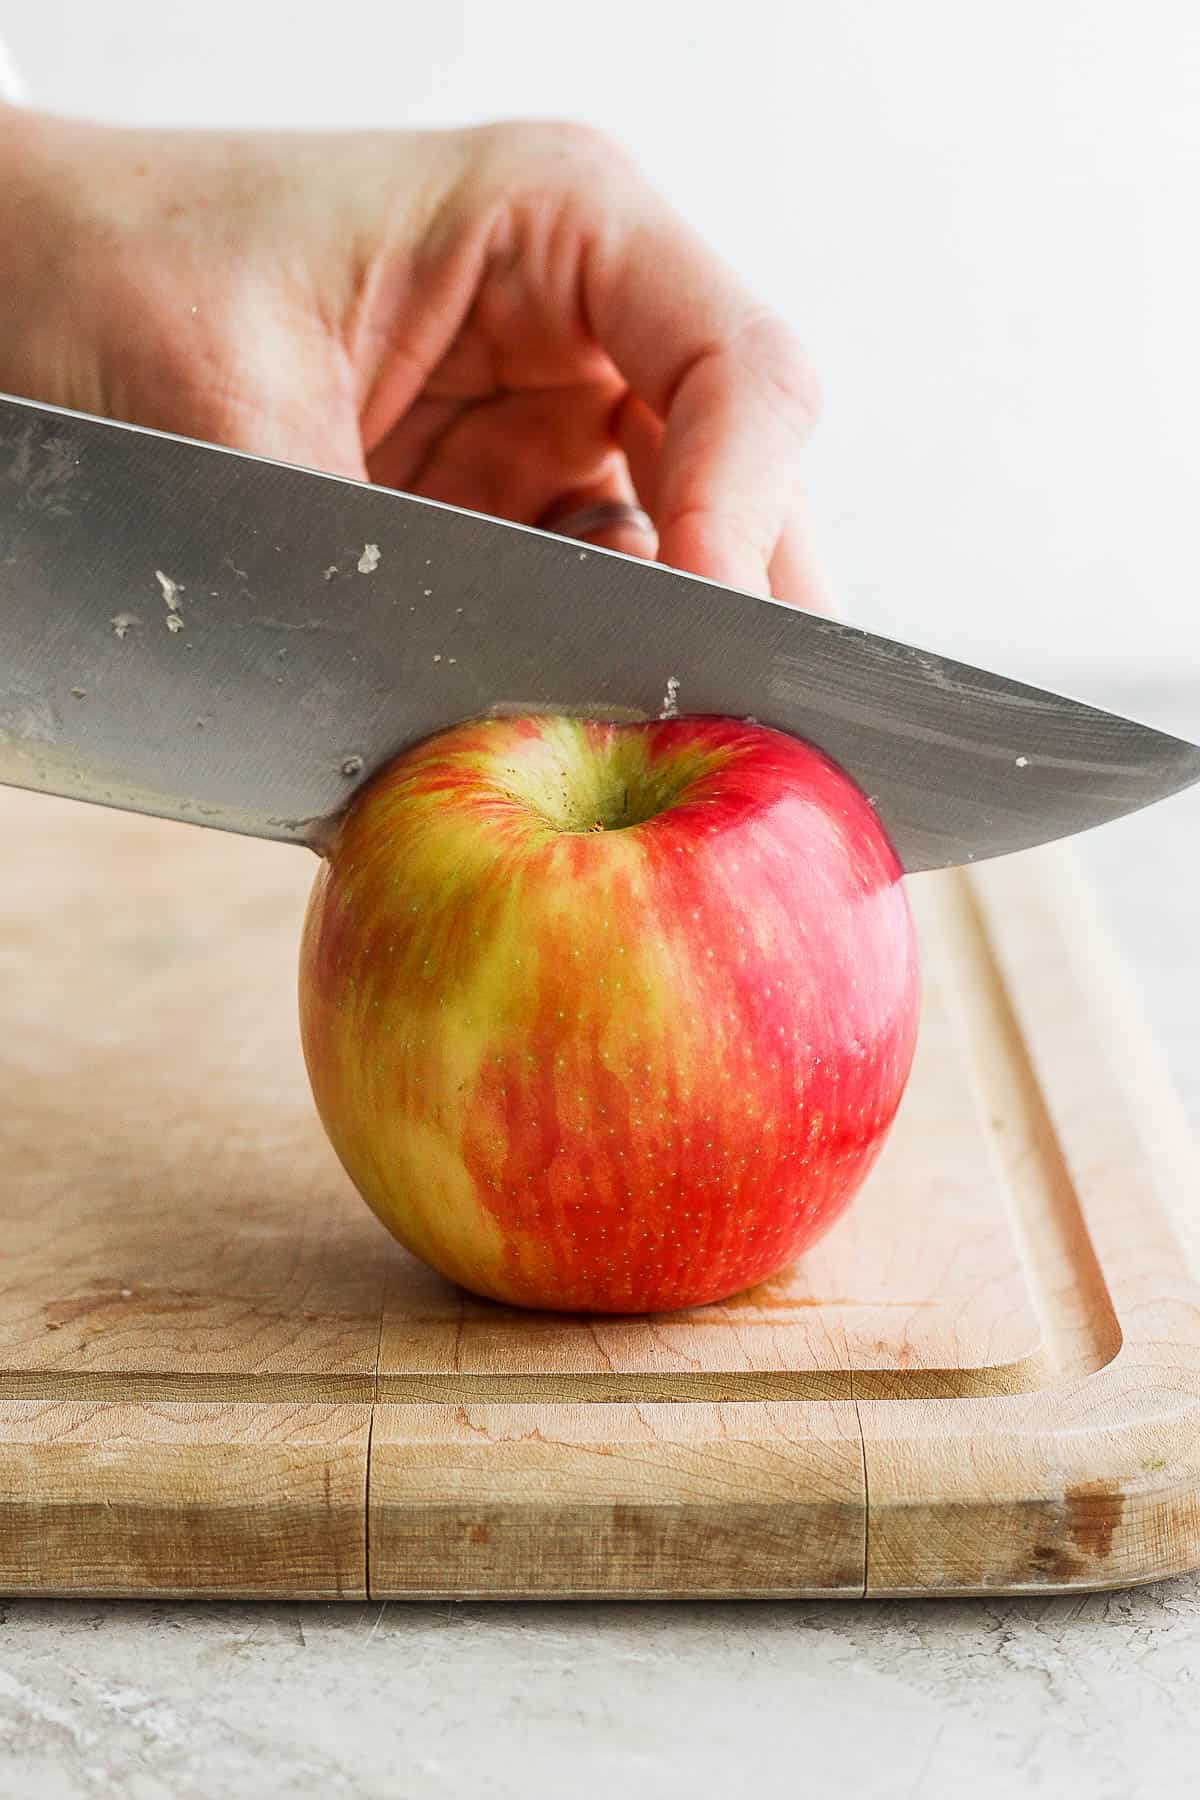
1091, 1696
1094, 1696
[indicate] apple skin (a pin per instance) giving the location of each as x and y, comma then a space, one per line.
608, 1018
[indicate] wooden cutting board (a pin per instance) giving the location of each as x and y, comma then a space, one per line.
218, 1375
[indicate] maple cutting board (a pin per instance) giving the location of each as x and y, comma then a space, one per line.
218, 1375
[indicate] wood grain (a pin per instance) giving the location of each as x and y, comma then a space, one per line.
1091, 1479
171, 1208
218, 1374
121, 1498
505, 1501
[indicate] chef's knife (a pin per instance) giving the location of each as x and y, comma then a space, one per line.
213, 637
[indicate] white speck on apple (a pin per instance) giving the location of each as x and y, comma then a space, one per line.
368, 562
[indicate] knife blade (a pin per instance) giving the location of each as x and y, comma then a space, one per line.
210, 636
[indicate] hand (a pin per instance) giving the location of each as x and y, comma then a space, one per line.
505, 318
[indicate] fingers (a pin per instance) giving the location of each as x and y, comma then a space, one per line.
726, 378
795, 573
605, 513
399, 459
509, 453
614, 510
638, 434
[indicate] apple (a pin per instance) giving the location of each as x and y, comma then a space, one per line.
608, 1018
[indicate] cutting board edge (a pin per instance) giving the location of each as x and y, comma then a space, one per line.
1021, 1496
183, 1499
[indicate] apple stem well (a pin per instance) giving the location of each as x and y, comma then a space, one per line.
592, 777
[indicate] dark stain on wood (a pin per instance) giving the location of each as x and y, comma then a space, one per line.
634, 1521
1094, 1510
1054, 1562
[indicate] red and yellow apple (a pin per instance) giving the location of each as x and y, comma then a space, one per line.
608, 1018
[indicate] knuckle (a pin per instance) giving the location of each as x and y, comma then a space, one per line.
710, 528
566, 147
586, 146
553, 168
772, 348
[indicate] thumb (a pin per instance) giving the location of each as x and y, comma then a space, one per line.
301, 409
288, 428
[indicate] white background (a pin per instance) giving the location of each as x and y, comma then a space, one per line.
983, 216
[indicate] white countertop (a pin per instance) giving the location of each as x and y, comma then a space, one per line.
1090, 1696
